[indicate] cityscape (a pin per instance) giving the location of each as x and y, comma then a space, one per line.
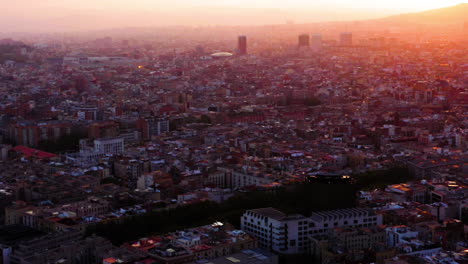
343, 140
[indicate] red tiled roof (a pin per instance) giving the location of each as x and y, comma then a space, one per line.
110, 260
30, 152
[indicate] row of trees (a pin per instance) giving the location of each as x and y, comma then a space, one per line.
379, 179
301, 198
308, 101
66, 143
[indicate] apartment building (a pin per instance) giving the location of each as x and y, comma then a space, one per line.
227, 178
289, 234
109, 145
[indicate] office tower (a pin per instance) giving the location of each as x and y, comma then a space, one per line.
346, 39
242, 45
304, 40
316, 41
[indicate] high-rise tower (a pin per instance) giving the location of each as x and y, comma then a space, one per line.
304, 40
242, 45
317, 41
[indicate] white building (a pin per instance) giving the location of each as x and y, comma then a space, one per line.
109, 145
90, 154
275, 230
145, 181
228, 178
289, 234
399, 234
240, 180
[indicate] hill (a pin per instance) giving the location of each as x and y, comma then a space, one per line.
450, 15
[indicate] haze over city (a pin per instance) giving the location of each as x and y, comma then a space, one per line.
67, 15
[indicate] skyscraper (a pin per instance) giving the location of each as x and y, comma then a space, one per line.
317, 41
304, 40
242, 45
346, 39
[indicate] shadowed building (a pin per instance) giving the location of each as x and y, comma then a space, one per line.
304, 40
242, 45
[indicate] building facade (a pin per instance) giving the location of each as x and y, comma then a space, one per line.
289, 234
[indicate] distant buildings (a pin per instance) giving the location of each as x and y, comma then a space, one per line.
32, 133
304, 40
421, 168
346, 39
316, 41
242, 45
152, 126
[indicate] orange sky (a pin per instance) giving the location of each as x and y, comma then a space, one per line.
156, 4
62, 15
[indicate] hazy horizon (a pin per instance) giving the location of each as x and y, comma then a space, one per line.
75, 15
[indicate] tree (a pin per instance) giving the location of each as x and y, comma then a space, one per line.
110, 180
382, 178
312, 101
66, 143
205, 119
300, 198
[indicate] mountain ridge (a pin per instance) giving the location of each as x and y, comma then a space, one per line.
447, 15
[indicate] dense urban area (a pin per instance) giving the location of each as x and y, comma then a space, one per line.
330, 143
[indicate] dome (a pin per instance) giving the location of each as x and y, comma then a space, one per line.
221, 54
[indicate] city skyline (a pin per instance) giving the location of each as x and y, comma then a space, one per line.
223, 131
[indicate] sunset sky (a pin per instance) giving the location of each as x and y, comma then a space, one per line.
43, 15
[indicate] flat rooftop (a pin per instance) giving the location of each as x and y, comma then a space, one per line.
270, 212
